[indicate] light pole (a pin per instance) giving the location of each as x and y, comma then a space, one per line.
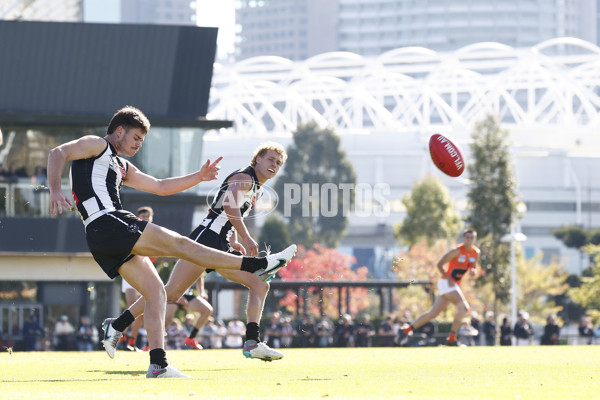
514, 237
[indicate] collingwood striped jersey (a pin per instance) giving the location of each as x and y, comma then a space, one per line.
217, 220
96, 182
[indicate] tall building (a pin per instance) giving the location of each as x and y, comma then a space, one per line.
294, 29
597, 21
376, 26
168, 12
42, 10
298, 29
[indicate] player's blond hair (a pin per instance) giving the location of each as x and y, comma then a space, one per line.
264, 147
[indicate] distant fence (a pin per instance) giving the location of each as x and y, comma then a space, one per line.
383, 289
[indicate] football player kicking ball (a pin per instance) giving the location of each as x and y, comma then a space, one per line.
224, 229
120, 242
461, 259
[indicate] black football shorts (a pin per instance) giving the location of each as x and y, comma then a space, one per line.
211, 239
111, 238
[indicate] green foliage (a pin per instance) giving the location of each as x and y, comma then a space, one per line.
314, 159
537, 285
573, 236
274, 234
164, 267
588, 293
593, 236
492, 200
430, 214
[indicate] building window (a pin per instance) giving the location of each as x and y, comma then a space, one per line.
166, 152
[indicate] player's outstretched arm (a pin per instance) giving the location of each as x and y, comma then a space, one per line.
164, 187
82, 148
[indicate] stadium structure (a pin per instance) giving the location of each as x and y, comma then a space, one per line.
385, 108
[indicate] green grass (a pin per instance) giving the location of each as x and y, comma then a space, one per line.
556, 372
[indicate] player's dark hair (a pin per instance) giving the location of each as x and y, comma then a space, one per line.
469, 230
146, 209
128, 117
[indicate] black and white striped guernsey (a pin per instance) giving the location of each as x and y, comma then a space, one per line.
217, 220
96, 182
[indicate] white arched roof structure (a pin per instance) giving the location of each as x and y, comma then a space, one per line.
386, 107
552, 85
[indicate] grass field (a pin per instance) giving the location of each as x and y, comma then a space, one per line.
556, 372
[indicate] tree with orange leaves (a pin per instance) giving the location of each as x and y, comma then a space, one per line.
324, 264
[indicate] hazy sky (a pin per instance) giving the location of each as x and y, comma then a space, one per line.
219, 13
107, 11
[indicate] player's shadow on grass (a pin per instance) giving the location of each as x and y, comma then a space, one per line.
55, 380
211, 369
140, 372
121, 372
307, 379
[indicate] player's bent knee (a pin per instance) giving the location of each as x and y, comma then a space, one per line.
260, 287
155, 294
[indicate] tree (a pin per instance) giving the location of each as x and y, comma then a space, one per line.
274, 234
430, 213
314, 188
576, 237
538, 285
588, 293
573, 236
492, 201
324, 264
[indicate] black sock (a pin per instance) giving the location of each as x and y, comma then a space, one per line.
252, 331
123, 321
159, 357
253, 264
193, 333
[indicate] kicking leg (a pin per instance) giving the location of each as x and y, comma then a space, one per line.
158, 241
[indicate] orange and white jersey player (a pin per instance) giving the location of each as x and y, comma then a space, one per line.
461, 259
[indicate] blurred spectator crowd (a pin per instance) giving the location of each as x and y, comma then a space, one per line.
281, 331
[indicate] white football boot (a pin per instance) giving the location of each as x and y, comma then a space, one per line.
254, 349
156, 371
275, 262
111, 337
